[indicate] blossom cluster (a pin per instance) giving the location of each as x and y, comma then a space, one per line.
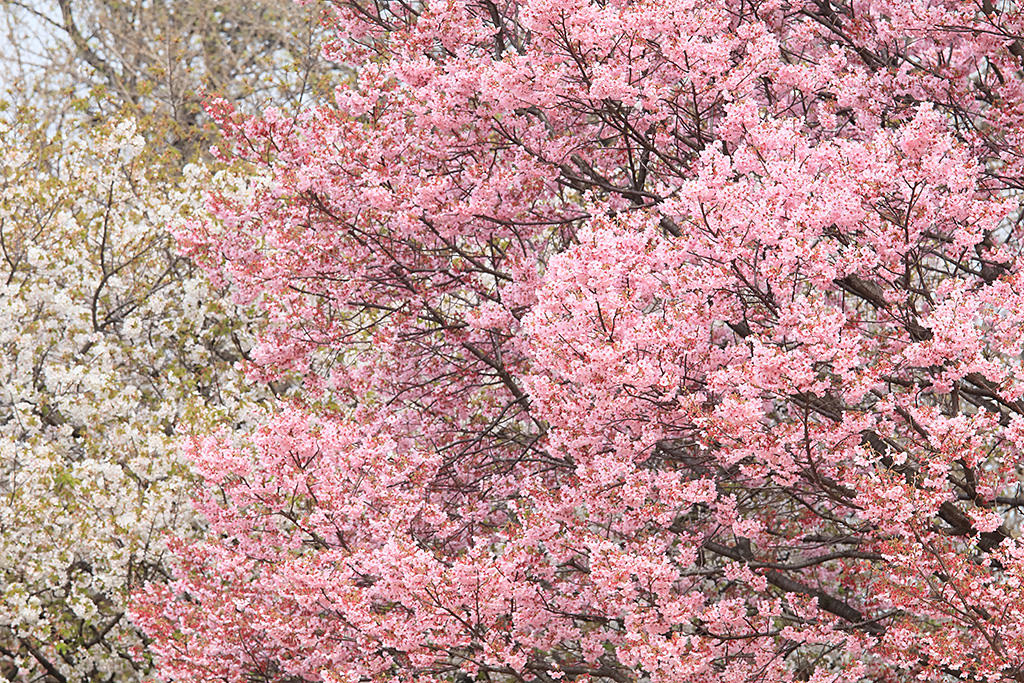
637, 341
111, 344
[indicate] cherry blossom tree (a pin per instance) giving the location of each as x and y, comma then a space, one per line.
638, 341
110, 344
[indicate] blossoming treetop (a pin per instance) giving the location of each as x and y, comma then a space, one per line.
674, 341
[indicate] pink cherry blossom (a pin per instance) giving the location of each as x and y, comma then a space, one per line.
638, 341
